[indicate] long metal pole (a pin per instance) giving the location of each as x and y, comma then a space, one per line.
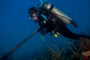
20, 44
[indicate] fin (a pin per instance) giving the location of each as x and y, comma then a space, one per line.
74, 24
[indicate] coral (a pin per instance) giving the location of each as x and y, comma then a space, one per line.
53, 54
85, 48
85, 44
75, 50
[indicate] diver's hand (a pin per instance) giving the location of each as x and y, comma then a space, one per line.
41, 31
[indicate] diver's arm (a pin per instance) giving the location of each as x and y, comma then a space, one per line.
44, 30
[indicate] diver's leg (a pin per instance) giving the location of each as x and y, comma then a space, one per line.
67, 33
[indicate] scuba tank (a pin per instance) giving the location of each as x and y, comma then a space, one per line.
64, 18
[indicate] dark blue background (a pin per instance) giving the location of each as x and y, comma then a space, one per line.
15, 25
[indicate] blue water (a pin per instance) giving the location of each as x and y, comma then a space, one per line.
15, 26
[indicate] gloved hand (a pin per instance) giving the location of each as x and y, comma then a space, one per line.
42, 31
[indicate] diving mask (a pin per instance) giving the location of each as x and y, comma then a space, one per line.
32, 15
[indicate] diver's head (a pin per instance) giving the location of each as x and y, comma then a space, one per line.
33, 13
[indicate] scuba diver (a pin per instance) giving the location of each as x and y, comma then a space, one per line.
52, 20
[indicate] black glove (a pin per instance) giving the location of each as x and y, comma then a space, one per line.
42, 31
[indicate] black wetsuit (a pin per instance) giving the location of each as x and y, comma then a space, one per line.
54, 24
